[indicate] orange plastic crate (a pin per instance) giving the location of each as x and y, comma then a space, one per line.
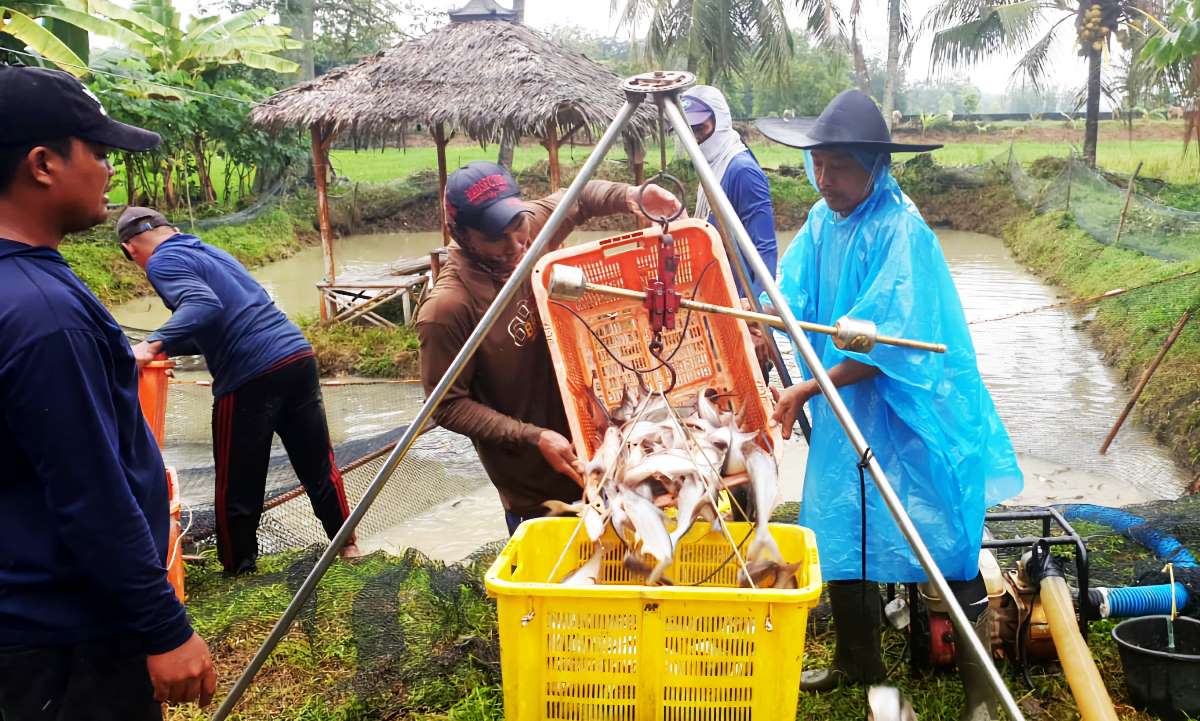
717, 352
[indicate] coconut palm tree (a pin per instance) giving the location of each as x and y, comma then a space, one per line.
717, 38
969, 31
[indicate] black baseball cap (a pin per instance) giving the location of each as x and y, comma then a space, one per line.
37, 105
483, 196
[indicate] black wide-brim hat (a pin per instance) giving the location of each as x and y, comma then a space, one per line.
852, 119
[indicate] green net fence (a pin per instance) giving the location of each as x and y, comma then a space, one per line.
1108, 212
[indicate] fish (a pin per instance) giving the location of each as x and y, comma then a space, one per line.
664, 464
644, 431
623, 413
605, 456
706, 409
730, 438
593, 520
597, 413
560, 508
692, 495
650, 533
657, 410
764, 482
769, 574
589, 573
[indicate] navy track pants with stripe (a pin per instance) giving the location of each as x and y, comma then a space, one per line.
286, 399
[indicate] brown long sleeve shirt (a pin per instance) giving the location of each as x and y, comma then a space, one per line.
506, 394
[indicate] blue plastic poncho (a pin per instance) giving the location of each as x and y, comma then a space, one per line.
927, 417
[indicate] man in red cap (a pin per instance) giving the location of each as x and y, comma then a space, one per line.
89, 626
506, 399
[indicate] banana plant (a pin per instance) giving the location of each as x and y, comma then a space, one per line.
154, 30
40, 41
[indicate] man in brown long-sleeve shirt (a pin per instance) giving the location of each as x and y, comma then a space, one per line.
506, 399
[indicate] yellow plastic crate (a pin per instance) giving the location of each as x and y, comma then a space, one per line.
701, 650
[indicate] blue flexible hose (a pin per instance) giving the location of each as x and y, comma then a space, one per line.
1139, 600
1163, 545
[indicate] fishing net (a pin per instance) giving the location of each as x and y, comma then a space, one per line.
404, 635
366, 418
1108, 212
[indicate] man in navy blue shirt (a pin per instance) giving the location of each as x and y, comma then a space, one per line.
265, 379
89, 626
742, 179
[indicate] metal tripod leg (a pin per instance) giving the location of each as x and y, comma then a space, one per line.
724, 210
743, 279
518, 279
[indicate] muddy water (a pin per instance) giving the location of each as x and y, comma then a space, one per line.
292, 282
1050, 385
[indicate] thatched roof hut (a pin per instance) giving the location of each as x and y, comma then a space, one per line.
490, 79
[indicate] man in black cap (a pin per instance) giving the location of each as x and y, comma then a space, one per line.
89, 626
506, 399
865, 252
265, 379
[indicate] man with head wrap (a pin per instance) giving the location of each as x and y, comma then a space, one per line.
865, 252
742, 179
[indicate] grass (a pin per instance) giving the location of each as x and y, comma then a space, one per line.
403, 635
408, 639
364, 351
1162, 158
97, 260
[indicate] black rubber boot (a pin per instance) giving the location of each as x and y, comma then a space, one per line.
980, 704
857, 614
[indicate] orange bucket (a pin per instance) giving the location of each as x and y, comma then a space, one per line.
152, 395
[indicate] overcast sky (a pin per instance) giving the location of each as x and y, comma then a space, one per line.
991, 78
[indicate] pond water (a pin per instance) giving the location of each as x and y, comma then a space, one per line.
1051, 386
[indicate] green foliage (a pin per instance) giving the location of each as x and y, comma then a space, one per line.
815, 74
717, 39
97, 260
384, 637
29, 34
202, 132
192, 85
1181, 40
366, 351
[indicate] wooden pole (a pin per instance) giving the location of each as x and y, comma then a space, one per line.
1128, 197
1141, 386
438, 130
635, 152
551, 144
320, 151
1070, 175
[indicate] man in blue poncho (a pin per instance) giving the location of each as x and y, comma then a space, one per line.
865, 252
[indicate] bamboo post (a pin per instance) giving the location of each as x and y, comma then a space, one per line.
321, 140
438, 130
1128, 197
551, 143
1141, 386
